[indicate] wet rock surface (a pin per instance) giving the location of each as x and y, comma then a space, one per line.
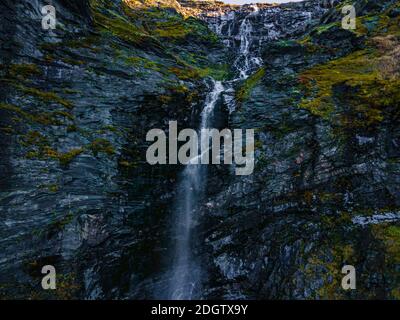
322, 192
76, 190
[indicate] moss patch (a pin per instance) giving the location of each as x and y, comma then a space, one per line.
24, 71
64, 158
46, 96
101, 145
244, 91
369, 94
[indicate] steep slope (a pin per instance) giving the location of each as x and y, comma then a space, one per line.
76, 104
325, 192
77, 193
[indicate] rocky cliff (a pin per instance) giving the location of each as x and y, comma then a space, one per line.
325, 192
76, 104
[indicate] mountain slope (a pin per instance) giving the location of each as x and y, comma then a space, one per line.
325, 190
76, 104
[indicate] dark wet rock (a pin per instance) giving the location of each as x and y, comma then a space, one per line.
74, 180
283, 232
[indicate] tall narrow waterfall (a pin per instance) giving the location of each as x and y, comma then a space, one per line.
246, 61
185, 281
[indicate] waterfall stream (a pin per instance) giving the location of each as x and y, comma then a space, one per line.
246, 61
244, 31
185, 282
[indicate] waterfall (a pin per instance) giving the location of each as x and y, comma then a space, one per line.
245, 31
185, 281
246, 61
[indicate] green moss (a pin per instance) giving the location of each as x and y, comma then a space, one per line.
15, 109
179, 89
110, 128
46, 118
59, 225
24, 71
67, 157
84, 42
64, 114
39, 148
71, 91
194, 71
53, 188
101, 145
33, 138
7, 130
390, 236
396, 293
64, 158
164, 98
67, 286
327, 266
184, 28
370, 93
244, 91
147, 24
309, 45
171, 29
135, 61
120, 27
72, 128
185, 73
46, 96
368, 76
144, 24
32, 155
258, 145
127, 164
145, 63
72, 61
48, 58
219, 72
325, 27
52, 48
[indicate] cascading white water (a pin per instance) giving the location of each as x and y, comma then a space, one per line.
185, 281
244, 31
247, 51
246, 60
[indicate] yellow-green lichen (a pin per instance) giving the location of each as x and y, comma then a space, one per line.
390, 236
64, 158
47, 96
101, 145
120, 27
24, 70
369, 96
244, 91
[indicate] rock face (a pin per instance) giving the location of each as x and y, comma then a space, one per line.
77, 102
325, 191
76, 191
